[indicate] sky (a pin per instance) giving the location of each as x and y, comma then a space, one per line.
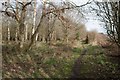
92, 23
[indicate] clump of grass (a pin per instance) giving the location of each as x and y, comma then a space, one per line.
94, 50
76, 50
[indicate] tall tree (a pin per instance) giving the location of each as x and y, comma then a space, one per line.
11, 11
8, 28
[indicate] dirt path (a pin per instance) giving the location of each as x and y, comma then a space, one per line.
77, 65
95, 66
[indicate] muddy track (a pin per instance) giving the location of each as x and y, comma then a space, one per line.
77, 65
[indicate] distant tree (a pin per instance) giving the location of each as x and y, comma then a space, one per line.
92, 36
86, 40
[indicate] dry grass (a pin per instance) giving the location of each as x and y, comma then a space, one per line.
56, 61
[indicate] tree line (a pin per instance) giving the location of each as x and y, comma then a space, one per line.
31, 21
37, 20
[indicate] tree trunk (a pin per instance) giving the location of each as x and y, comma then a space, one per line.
26, 32
8, 32
22, 26
119, 24
21, 34
8, 29
33, 37
37, 36
17, 29
34, 20
16, 35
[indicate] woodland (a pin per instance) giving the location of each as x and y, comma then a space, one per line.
49, 39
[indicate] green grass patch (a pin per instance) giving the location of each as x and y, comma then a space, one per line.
76, 50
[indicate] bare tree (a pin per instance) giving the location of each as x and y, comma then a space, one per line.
57, 12
109, 13
12, 12
19, 12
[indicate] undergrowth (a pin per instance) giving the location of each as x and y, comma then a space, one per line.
55, 62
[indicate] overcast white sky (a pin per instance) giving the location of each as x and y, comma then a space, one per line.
91, 24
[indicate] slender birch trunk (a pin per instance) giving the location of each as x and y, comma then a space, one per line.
8, 32
8, 28
26, 33
17, 29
